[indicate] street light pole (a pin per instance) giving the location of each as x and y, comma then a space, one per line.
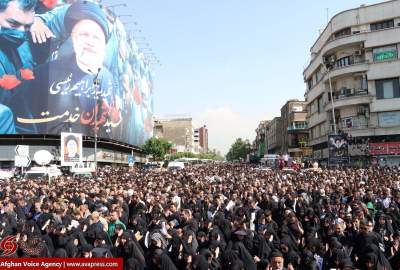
332, 102
267, 140
117, 5
96, 85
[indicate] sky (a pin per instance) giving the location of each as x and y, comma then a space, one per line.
228, 63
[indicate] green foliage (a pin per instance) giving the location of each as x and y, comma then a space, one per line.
261, 150
211, 156
239, 150
158, 148
255, 159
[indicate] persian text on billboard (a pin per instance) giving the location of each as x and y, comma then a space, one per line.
87, 76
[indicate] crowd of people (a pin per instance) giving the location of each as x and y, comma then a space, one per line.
225, 216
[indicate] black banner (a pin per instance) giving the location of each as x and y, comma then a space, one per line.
338, 150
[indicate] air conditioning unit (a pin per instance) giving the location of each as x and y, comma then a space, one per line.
358, 52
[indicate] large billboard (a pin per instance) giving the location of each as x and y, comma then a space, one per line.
76, 70
338, 150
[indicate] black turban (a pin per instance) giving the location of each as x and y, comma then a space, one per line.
85, 10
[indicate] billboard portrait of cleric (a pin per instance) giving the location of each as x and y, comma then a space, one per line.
70, 65
73, 84
338, 149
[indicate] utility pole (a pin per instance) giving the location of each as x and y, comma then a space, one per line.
96, 86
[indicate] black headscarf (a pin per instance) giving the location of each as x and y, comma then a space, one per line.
162, 261
245, 256
130, 249
200, 263
60, 253
375, 255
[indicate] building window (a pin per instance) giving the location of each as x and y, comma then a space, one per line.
385, 53
297, 109
320, 104
300, 124
315, 132
347, 122
387, 88
382, 25
310, 83
314, 106
343, 32
344, 61
318, 75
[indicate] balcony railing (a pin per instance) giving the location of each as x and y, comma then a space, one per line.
347, 94
353, 127
296, 128
350, 62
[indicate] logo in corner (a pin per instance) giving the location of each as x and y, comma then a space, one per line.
8, 245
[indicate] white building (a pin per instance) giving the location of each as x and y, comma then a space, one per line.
361, 49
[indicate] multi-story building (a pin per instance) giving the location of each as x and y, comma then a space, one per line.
274, 136
260, 142
196, 140
357, 57
178, 131
201, 139
294, 128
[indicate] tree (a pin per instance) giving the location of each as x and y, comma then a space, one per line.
158, 148
212, 156
239, 150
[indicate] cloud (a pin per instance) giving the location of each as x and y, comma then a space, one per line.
225, 125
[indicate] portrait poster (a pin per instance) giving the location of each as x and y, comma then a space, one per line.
90, 76
71, 149
338, 150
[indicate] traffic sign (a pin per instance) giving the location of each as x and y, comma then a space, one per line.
131, 160
22, 161
22, 150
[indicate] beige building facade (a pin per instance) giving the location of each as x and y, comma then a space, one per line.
178, 131
274, 136
357, 57
294, 128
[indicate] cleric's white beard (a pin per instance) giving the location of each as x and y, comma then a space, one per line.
72, 154
90, 63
